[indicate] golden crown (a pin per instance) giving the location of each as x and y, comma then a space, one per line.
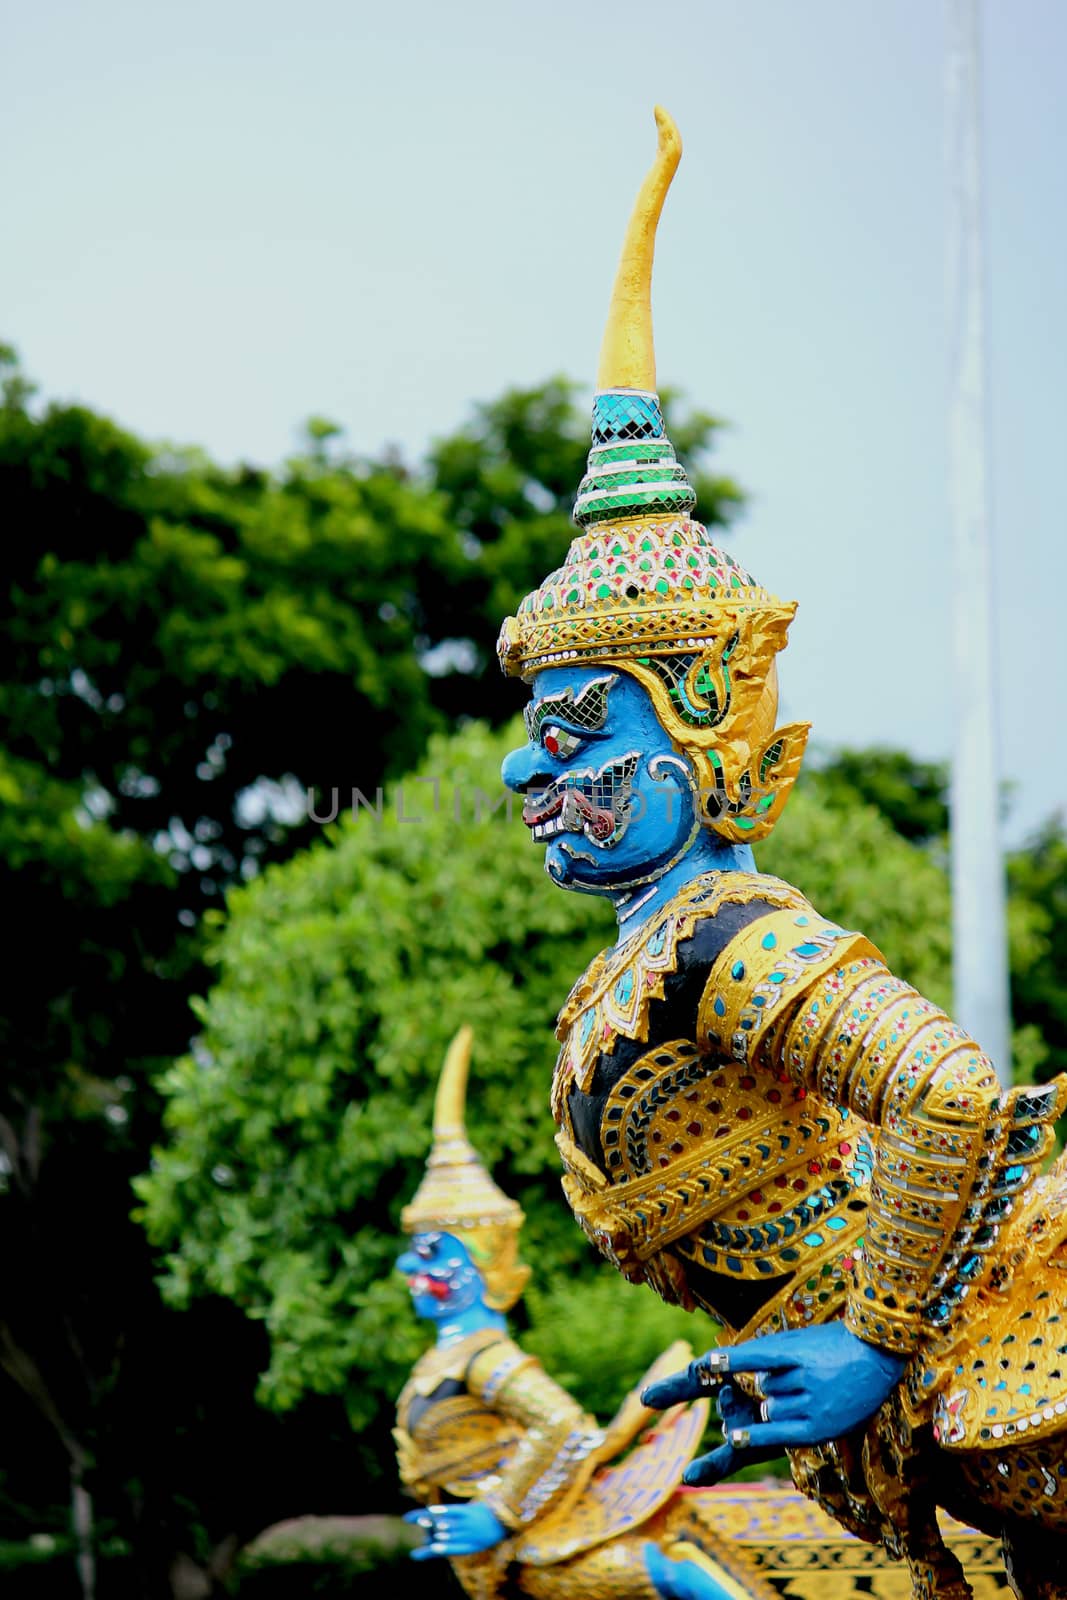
644, 588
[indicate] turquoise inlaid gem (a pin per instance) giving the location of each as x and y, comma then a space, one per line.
801, 922
624, 987
720, 1006
759, 1000
657, 941
769, 941
835, 1223
776, 977
585, 1027
806, 950
737, 970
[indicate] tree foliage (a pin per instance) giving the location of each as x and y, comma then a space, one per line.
186, 650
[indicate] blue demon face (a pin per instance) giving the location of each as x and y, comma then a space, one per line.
441, 1276
604, 789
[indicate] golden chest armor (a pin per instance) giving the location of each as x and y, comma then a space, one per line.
706, 1170
448, 1439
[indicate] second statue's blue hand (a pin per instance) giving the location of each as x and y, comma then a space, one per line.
815, 1384
456, 1530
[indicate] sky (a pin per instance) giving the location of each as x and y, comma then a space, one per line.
220, 219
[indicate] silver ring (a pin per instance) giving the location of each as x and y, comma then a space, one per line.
757, 1386
765, 1410
740, 1438
710, 1368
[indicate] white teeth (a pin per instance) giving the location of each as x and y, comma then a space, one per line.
547, 830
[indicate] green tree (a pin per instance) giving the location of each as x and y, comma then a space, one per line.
912, 795
1037, 880
186, 650
167, 629
298, 1126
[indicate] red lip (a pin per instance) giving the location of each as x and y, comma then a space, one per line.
436, 1288
541, 808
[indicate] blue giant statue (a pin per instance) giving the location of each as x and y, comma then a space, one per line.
756, 1117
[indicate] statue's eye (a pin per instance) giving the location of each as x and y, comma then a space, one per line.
559, 741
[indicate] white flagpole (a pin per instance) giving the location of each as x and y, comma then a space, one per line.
979, 924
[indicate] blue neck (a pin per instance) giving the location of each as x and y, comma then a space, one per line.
458, 1325
635, 907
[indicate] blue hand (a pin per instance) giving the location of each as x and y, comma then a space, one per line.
459, 1530
818, 1382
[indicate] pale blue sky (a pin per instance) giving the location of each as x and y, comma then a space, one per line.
220, 218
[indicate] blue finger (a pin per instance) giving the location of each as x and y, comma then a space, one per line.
422, 1517
725, 1460
715, 1465
426, 1552
672, 1391
736, 1409
775, 1352
782, 1383
773, 1437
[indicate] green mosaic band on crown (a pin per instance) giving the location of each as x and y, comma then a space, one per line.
642, 578
632, 469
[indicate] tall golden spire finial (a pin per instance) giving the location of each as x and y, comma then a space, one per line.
449, 1107
627, 356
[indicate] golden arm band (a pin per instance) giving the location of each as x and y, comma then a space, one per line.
801, 993
560, 1442
949, 1150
